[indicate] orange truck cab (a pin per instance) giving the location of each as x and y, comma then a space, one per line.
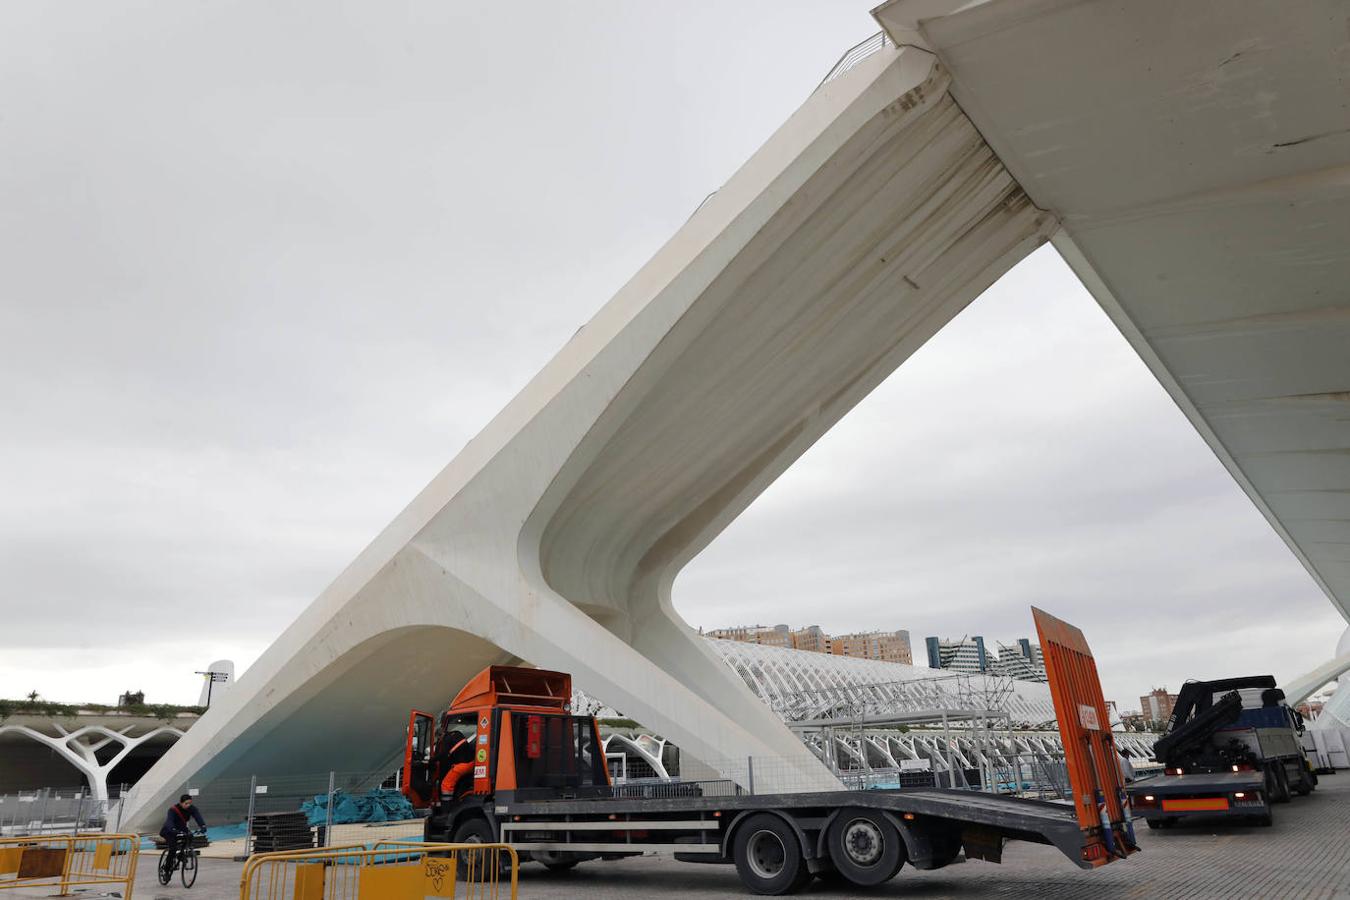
525, 743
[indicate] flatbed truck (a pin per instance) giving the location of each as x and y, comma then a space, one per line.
540, 783
1233, 748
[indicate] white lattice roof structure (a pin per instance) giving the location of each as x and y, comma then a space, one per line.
798, 685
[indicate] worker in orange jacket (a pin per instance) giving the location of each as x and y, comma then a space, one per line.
458, 756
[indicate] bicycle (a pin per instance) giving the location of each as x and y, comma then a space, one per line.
184, 860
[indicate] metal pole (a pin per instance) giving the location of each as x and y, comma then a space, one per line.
79, 811
328, 825
248, 829
750, 773
947, 750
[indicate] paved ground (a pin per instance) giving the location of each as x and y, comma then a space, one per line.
1305, 854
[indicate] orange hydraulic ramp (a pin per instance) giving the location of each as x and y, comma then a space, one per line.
1089, 749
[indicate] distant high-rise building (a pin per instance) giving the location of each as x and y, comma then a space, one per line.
888, 646
1157, 705
966, 655
771, 636
812, 638
1022, 661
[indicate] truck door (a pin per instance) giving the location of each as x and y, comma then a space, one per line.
417, 786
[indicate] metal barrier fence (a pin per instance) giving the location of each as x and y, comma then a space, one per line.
241, 812
69, 860
50, 810
391, 870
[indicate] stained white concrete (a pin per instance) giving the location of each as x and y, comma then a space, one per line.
872, 217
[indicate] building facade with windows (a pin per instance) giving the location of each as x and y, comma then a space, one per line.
887, 646
1157, 705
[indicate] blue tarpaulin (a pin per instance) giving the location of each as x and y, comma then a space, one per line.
379, 805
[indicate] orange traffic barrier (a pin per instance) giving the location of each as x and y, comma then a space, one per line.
65, 861
391, 870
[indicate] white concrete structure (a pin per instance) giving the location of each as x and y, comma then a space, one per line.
1191, 167
81, 745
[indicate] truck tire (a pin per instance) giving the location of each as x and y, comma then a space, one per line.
769, 856
1305, 783
476, 830
1281, 793
865, 847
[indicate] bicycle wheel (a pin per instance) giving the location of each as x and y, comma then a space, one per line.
165, 869
188, 870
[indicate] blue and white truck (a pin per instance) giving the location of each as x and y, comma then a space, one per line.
1233, 748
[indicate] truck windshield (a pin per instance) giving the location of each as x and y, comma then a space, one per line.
556, 751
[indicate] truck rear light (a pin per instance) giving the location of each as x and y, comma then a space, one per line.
1236, 768
1176, 772
1239, 795
1149, 797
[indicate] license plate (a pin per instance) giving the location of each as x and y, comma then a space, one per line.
1192, 804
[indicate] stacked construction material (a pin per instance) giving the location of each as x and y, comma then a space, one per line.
281, 831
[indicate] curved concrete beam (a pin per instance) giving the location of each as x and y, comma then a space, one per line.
1305, 686
869, 220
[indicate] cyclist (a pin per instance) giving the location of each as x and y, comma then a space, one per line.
176, 830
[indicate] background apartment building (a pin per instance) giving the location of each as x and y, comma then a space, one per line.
1021, 660
1157, 705
887, 646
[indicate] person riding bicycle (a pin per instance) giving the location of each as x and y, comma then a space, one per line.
176, 830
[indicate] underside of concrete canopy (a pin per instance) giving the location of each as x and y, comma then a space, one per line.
1197, 156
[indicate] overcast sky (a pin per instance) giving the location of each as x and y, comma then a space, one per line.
265, 268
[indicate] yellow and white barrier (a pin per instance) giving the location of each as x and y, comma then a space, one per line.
391, 870
67, 861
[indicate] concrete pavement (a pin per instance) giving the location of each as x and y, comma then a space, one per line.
1304, 855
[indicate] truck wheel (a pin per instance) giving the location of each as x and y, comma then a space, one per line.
768, 856
946, 847
478, 831
865, 847
1281, 793
1264, 821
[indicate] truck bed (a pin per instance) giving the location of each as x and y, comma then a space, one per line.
1216, 782
1195, 794
1037, 821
